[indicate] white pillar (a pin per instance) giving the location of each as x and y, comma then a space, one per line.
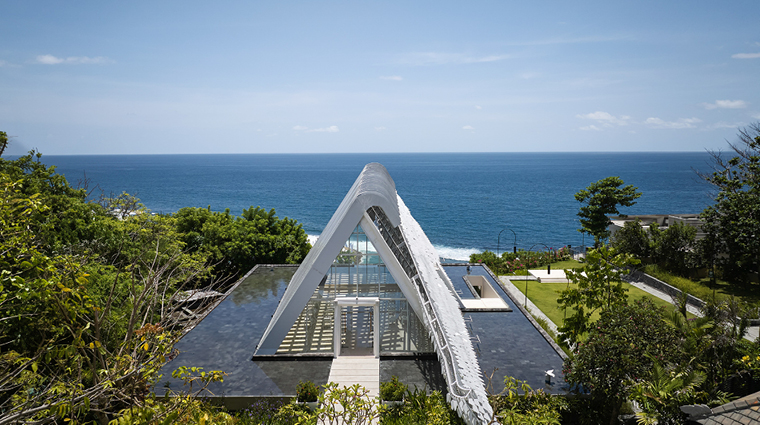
336, 330
376, 328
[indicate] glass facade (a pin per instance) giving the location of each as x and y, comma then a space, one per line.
358, 271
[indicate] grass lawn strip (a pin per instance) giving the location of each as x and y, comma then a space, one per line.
544, 296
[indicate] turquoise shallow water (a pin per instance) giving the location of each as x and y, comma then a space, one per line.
461, 200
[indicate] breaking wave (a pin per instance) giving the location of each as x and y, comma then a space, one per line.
445, 252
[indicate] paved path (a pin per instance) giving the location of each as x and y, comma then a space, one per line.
664, 296
362, 370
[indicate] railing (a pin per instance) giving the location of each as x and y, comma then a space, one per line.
395, 240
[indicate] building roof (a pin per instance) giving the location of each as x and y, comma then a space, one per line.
745, 410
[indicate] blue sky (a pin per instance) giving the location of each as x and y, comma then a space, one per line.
95, 77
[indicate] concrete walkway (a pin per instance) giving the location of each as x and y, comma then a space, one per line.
664, 296
362, 370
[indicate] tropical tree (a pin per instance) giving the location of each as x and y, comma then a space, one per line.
618, 353
601, 199
632, 239
599, 287
3, 142
732, 224
673, 247
662, 393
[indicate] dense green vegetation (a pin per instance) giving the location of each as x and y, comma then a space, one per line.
88, 312
510, 262
235, 244
732, 223
634, 349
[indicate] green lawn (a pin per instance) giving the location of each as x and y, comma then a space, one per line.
704, 289
544, 296
569, 264
559, 265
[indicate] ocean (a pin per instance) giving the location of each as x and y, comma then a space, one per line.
463, 201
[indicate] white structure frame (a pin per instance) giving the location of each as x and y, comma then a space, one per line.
357, 302
414, 264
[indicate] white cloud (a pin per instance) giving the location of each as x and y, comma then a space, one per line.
590, 128
723, 124
300, 128
478, 107
436, 58
330, 129
756, 116
468, 127
392, 78
48, 60
379, 128
746, 56
605, 118
725, 104
681, 123
76, 60
3, 63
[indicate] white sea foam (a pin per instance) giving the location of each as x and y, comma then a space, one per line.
459, 254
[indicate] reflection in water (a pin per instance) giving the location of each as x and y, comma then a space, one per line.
262, 285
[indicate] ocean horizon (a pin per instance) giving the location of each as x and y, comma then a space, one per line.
465, 202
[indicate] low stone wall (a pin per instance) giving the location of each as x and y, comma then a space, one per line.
639, 276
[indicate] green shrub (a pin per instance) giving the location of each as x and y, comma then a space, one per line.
392, 390
511, 263
532, 407
261, 412
421, 408
307, 391
685, 285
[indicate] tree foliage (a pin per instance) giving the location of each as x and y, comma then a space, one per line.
619, 351
662, 393
88, 312
732, 224
672, 248
236, 244
632, 239
601, 199
599, 288
3, 142
84, 325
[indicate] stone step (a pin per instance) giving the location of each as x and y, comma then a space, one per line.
362, 370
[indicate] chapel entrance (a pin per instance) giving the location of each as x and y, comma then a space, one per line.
357, 327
